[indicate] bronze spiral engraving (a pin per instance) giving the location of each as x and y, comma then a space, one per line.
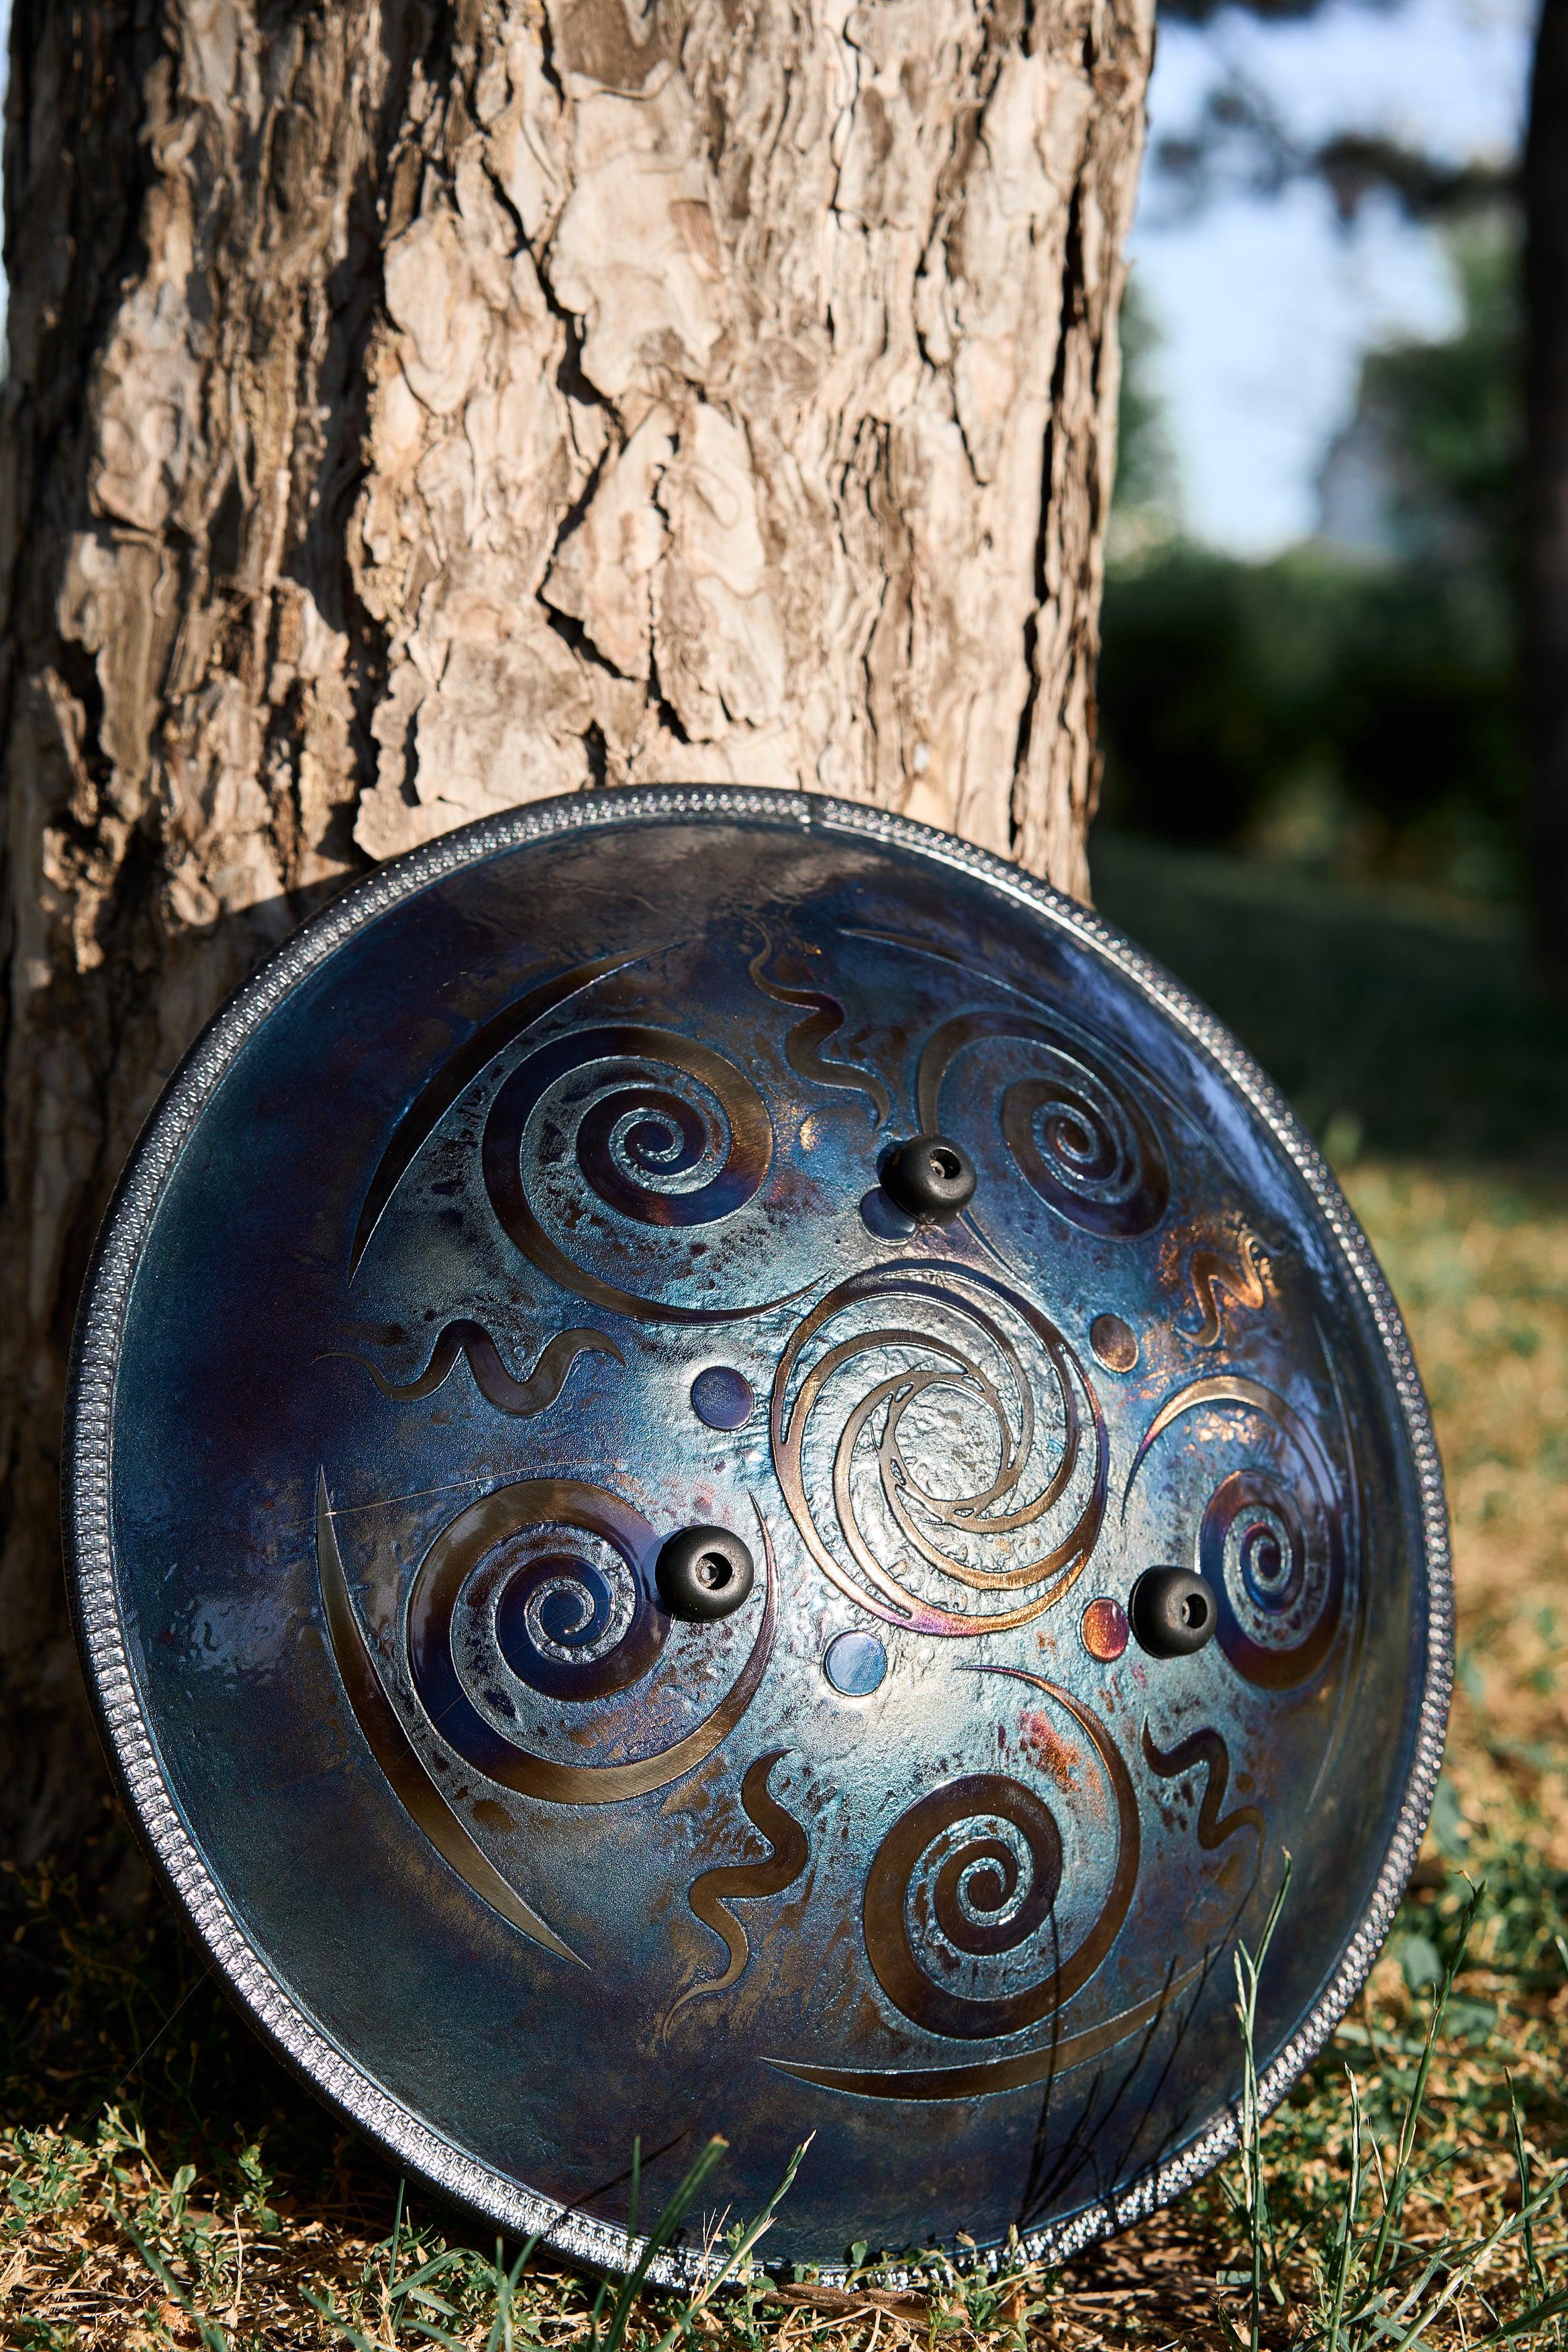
1077, 1132
1270, 1540
984, 1900
950, 1353
685, 1148
564, 1627
400, 1761
447, 1084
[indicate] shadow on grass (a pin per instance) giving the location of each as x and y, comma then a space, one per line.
105, 2002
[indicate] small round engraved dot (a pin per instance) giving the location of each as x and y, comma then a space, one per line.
1105, 1629
722, 1397
855, 1663
1114, 1342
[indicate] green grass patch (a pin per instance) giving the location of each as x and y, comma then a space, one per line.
164, 2182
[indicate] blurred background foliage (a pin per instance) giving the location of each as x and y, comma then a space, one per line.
1349, 707
1314, 805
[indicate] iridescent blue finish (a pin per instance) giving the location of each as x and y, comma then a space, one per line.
856, 1664
430, 1312
722, 1397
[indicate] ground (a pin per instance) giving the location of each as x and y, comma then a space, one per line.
164, 2182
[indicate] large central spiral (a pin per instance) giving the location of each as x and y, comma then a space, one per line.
945, 1397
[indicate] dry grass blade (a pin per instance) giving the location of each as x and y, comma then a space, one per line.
1416, 2200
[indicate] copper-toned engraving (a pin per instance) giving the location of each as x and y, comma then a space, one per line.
396, 1752
1271, 1540
1080, 1136
711, 1895
1214, 1276
457, 1072
1205, 1750
989, 2077
661, 1154
803, 1046
545, 1504
876, 1471
980, 1875
534, 1395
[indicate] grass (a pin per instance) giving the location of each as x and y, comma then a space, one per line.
163, 2182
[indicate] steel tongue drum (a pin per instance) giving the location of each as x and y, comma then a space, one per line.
729, 1472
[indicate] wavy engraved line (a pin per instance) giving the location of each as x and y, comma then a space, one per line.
395, 1753
494, 1382
456, 1073
447, 1566
1240, 1278
803, 1046
1206, 1748
745, 1882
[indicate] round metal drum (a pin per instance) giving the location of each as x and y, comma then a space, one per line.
729, 1472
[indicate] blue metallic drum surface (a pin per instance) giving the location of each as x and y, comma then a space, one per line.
525, 1210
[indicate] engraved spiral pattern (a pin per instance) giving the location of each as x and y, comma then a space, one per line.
1082, 1138
567, 1569
1270, 1540
687, 1146
980, 1893
953, 1354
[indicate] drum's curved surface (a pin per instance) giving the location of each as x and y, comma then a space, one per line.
523, 1211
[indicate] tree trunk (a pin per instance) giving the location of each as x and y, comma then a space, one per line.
1545, 520
415, 410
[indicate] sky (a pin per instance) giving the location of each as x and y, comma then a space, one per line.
1264, 305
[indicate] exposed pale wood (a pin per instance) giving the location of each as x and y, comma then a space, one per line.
414, 411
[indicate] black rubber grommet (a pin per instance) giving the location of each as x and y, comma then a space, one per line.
704, 1573
929, 1176
1171, 1612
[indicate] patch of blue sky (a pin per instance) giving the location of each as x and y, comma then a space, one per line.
1266, 303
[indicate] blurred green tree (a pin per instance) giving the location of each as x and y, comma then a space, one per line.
1528, 762
1352, 707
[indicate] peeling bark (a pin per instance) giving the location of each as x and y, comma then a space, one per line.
416, 410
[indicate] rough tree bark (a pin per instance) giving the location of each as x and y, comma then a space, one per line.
416, 410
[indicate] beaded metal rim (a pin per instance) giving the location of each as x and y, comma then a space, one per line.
88, 1529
